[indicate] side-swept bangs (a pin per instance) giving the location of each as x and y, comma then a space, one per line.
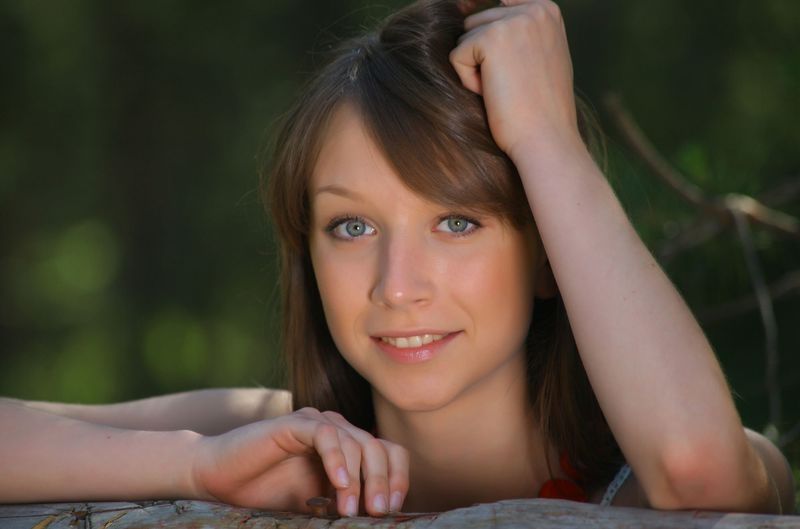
432, 130
435, 134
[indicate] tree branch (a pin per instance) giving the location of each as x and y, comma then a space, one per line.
703, 228
720, 208
767, 316
785, 286
789, 436
648, 154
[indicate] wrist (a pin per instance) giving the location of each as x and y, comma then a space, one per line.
556, 167
187, 448
156, 464
549, 149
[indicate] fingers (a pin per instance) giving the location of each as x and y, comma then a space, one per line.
347, 498
340, 454
334, 455
484, 17
398, 475
550, 5
516, 57
466, 60
509, 8
384, 466
347, 453
471, 50
375, 467
468, 55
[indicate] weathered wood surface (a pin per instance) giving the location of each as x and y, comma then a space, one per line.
540, 514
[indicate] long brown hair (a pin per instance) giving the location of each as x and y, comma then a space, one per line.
435, 134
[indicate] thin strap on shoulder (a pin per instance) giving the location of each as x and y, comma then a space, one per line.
616, 483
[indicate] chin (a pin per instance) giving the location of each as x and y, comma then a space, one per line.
418, 397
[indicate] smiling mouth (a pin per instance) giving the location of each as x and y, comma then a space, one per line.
409, 342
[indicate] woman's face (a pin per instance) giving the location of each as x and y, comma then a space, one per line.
425, 301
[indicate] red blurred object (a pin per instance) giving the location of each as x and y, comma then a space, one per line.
564, 489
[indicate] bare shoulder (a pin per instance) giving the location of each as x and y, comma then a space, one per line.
777, 467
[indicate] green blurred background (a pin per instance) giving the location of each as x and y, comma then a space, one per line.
134, 255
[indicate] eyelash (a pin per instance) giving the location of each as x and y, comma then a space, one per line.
338, 221
475, 224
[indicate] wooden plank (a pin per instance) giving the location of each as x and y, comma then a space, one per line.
536, 513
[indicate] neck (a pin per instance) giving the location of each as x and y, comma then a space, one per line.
483, 446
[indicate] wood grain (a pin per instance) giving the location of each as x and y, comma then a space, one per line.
537, 513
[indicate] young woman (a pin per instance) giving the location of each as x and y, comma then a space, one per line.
468, 313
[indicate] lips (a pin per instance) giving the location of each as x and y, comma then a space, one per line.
413, 347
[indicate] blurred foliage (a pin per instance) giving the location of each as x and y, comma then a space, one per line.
134, 255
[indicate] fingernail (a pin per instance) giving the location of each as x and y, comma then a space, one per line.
350, 507
396, 501
343, 477
379, 503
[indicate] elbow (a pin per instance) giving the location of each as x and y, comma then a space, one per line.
686, 483
718, 478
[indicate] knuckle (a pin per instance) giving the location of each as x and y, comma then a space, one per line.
348, 444
346, 440
553, 8
399, 483
307, 411
396, 449
454, 53
536, 12
495, 37
325, 429
378, 482
334, 415
458, 55
520, 26
374, 445
496, 32
403, 455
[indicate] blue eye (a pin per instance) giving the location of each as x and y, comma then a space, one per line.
458, 225
349, 228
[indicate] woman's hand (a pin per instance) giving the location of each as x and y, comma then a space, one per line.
282, 462
517, 57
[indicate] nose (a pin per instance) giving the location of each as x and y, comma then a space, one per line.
405, 273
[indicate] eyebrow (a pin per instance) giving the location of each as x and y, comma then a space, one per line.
338, 190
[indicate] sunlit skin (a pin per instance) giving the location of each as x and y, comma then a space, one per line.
389, 262
454, 424
410, 273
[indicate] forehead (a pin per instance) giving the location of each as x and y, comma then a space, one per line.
348, 156
351, 164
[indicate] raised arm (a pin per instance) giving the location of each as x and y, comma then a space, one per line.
209, 411
649, 363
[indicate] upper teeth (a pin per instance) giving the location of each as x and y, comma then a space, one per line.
412, 341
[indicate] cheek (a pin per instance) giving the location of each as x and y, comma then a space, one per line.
498, 288
342, 284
